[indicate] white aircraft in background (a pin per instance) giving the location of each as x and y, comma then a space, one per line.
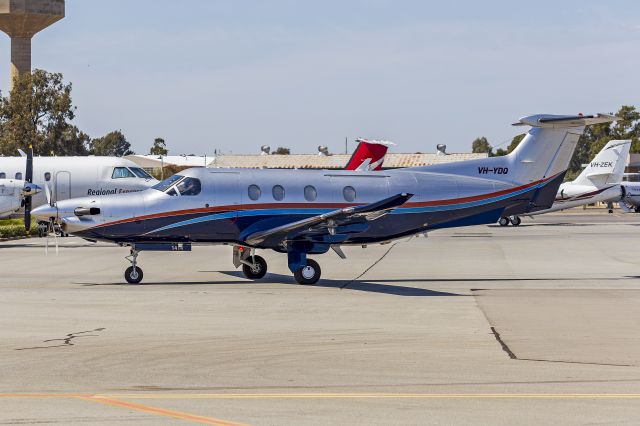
600, 181
64, 178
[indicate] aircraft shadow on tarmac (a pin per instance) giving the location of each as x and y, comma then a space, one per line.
271, 278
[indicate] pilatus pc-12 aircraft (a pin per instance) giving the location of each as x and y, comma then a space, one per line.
306, 212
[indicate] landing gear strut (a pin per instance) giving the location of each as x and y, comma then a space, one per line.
133, 274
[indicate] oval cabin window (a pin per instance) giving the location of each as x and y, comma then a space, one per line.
254, 192
310, 193
349, 193
278, 192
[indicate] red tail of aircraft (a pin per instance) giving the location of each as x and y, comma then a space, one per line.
369, 155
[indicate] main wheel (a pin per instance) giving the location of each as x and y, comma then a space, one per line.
309, 274
257, 271
133, 276
504, 221
637, 209
515, 220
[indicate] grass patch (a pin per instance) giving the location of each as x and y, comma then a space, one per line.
13, 228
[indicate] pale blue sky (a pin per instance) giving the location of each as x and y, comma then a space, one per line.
236, 74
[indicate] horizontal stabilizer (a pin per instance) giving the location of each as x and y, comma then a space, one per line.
564, 121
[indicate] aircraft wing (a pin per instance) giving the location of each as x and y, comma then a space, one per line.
334, 223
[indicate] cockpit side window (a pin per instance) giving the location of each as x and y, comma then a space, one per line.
122, 172
3, 175
140, 173
189, 186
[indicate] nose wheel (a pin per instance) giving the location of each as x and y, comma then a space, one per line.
254, 267
133, 274
309, 274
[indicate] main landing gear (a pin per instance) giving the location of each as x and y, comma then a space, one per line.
514, 220
305, 271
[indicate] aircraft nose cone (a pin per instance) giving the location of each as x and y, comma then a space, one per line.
44, 212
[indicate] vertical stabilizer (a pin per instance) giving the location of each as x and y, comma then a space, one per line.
608, 166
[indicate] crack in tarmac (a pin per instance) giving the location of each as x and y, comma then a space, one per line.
66, 341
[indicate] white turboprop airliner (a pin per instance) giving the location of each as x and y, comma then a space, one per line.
600, 181
67, 177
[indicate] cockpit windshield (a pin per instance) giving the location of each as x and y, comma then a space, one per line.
140, 173
167, 183
178, 185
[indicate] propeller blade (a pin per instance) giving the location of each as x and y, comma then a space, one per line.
27, 212
29, 172
47, 192
27, 199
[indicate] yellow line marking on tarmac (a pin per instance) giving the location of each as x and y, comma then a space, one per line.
159, 411
376, 395
148, 395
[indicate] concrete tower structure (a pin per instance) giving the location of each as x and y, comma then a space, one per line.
21, 20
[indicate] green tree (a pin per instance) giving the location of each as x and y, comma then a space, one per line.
112, 144
282, 151
481, 145
39, 112
159, 147
514, 142
500, 152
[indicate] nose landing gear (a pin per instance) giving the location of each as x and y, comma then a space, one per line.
133, 274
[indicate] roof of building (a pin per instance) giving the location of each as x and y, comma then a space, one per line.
335, 161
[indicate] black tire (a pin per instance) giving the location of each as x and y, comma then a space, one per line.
503, 221
131, 277
259, 271
637, 209
515, 220
309, 274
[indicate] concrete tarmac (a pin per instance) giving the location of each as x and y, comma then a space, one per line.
536, 324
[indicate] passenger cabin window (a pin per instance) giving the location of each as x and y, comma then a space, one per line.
254, 192
310, 193
349, 193
3, 175
140, 173
19, 175
189, 186
122, 172
47, 176
278, 193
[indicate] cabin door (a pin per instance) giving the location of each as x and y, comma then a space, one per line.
62, 189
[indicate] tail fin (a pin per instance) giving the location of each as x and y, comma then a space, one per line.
369, 155
608, 166
545, 151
